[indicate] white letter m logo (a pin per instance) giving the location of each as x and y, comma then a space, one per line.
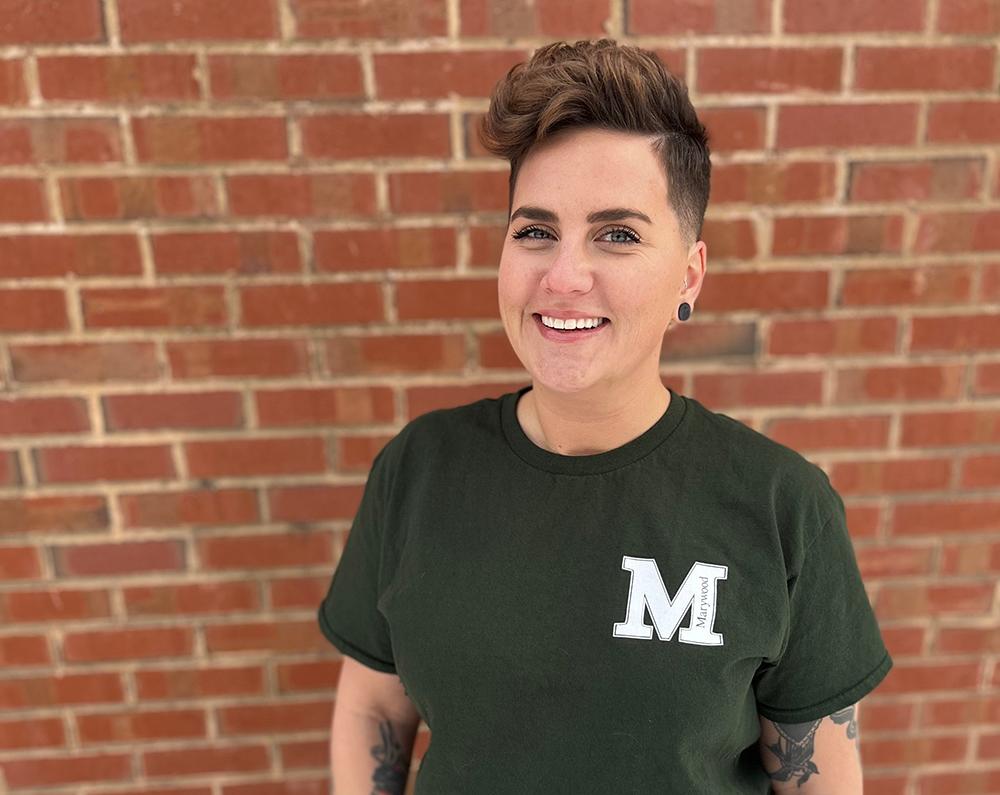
646, 589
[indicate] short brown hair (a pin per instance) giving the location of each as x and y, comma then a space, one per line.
607, 85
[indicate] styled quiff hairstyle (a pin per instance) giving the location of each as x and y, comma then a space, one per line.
606, 85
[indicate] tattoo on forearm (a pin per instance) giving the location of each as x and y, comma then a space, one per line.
794, 750
389, 777
795, 746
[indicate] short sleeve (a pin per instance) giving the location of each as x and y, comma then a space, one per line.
348, 616
835, 654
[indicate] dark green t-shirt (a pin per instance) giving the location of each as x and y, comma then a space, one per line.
609, 623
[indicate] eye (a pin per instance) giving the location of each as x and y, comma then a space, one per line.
523, 233
630, 237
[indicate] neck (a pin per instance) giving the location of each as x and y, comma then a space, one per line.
578, 424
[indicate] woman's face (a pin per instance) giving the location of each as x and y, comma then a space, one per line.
556, 261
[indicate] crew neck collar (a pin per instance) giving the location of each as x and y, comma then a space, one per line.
594, 464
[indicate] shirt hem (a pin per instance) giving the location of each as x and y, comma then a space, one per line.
830, 705
351, 650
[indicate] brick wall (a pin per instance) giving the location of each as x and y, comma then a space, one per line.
241, 246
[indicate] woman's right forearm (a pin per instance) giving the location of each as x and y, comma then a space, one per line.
369, 753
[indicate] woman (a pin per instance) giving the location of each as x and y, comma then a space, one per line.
596, 584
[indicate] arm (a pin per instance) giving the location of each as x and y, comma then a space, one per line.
812, 757
371, 739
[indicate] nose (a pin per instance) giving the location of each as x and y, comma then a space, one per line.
569, 271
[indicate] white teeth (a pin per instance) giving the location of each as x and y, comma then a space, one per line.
571, 323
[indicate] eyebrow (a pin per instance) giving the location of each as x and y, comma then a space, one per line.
533, 213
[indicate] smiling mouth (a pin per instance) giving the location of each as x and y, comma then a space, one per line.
569, 334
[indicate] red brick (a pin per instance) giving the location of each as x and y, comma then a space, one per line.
958, 231
53, 514
876, 717
50, 255
454, 298
356, 453
19, 735
971, 782
389, 19
205, 507
325, 406
448, 192
230, 358
313, 503
438, 75
13, 89
921, 284
847, 124
730, 238
123, 558
647, 17
958, 333
967, 68
972, 18
853, 16
830, 433
975, 557
27, 22
836, 337
913, 180
66, 689
347, 135
904, 641
958, 711
200, 20
148, 77
19, 563
286, 76
495, 351
274, 718
24, 650
55, 605
899, 382
421, 399
734, 129
922, 601
980, 472
945, 517
254, 552
202, 139
112, 463
311, 305
551, 18
191, 599
301, 195
53, 415
707, 340
24, 309
853, 234
22, 200
85, 362
148, 725
127, 644
771, 290
149, 307
397, 353
249, 457
65, 770
987, 379
56, 140
10, 474
721, 390
773, 183
891, 476
913, 750
990, 283
198, 760
339, 250
893, 561
173, 410
199, 683
299, 592
270, 636
232, 251
920, 677
127, 198
968, 640
950, 428
724, 70
968, 121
